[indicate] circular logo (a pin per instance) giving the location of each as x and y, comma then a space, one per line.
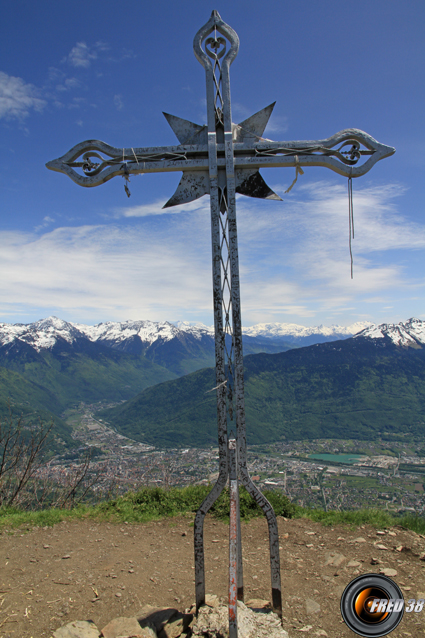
372, 605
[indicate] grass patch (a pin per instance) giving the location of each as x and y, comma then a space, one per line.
380, 519
152, 503
155, 503
147, 504
11, 517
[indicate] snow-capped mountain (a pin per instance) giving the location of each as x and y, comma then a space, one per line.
46, 333
51, 364
364, 388
294, 330
409, 333
40, 335
148, 331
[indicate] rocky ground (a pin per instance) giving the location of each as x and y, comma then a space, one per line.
84, 570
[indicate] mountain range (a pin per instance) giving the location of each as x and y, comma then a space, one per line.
145, 337
160, 368
367, 386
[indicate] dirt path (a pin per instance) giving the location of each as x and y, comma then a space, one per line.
87, 570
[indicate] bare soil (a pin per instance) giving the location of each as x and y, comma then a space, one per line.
82, 570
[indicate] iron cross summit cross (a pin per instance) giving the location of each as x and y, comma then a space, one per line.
222, 159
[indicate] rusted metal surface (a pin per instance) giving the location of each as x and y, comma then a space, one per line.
222, 159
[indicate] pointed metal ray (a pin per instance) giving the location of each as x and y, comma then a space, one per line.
193, 184
255, 125
249, 182
184, 130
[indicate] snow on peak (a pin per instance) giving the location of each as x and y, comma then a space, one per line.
195, 328
41, 335
114, 331
295, 330
409, 333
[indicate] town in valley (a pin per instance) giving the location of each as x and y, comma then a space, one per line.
332, 474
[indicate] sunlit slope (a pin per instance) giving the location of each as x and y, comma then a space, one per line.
83, 371
356, 388
20, 397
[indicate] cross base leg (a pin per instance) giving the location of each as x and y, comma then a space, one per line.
199, 536
231, 468
234, 540
273, 538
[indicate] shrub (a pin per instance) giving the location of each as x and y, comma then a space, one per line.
155, 502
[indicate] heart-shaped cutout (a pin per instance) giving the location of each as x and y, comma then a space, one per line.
215, 48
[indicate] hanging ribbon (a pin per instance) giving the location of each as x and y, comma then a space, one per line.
126, 174
298, 171
350, 219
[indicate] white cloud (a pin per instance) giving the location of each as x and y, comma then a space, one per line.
156, 208
44, 224
156, 264
119, 104
304, 240
106, 270
82, 55
17, 98
68, 84
276, 124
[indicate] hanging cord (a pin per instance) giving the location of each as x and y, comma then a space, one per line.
298, 171
350, 219
126, 177
135, 156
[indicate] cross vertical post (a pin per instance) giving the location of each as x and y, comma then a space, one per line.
222, 159
216, 60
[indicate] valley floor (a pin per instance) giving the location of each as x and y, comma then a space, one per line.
386, 475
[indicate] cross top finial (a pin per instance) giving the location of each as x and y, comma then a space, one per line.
214, 24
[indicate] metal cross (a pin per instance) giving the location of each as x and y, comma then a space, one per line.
222, 159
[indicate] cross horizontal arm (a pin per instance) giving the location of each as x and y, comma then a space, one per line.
194, 157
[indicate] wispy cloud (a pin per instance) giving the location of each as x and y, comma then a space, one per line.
305, 241
68, 84
154, 263
118, 102
17, 98
106, 271
44, 224
276, 124
82, 55
156, 208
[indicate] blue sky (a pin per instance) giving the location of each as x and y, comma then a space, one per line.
106, 70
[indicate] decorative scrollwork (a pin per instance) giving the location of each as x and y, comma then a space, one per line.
124, 160
214, 24
353, 154
342, 153
350, 157
215, 48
